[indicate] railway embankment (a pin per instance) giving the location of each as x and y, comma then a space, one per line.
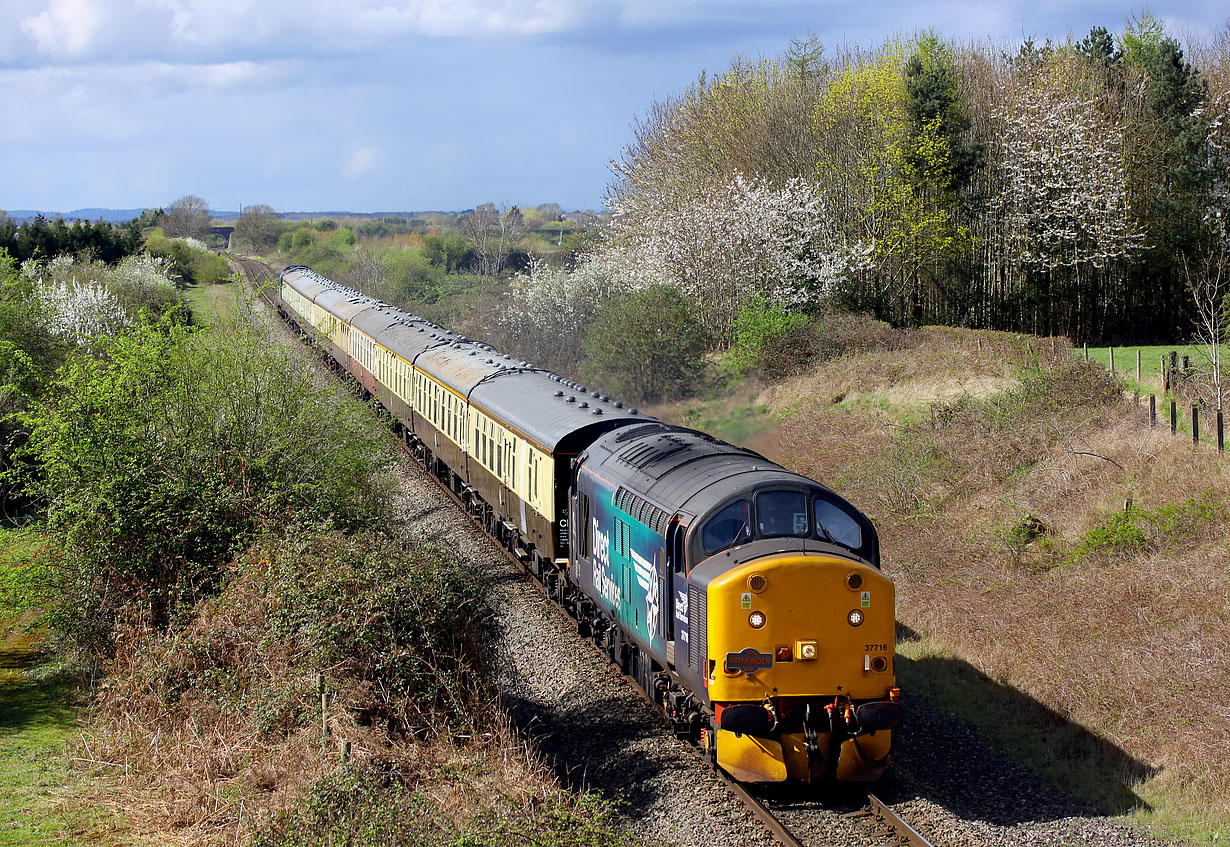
1062, 573
989, 464
252, 673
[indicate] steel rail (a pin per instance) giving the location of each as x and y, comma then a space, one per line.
904, 831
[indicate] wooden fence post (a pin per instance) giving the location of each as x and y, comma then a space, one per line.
1174, 417
1152, 410
1112, 359
1138, 371
1086, 351
324, 707
1195, 424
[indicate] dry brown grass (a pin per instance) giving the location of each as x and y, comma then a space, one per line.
987, 484
211, 733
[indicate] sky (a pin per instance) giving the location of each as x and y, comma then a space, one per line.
406, 105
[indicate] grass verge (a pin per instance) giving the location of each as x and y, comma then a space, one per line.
44, 799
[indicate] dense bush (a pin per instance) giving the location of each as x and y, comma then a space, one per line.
646, 344
79, 300
160, 456
191, 261
400, 614
768, 339
28, 349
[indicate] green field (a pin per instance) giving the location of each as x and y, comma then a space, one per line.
209, 302
1150, 359
1150, 379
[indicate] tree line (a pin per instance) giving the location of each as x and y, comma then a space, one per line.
1058, 188
45, 239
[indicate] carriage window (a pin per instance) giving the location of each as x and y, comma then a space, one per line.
729, 526
781, 513
838, 524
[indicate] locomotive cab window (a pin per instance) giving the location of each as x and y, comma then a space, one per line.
781, 513
730, 526
833, 522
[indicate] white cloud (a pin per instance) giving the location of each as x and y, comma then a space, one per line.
65, 28
100, 30
361, 162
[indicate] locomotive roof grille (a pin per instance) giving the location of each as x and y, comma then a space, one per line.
633, 432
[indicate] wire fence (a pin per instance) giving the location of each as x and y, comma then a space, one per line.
1174, 373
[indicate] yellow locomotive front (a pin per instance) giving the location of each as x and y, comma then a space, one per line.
800, 672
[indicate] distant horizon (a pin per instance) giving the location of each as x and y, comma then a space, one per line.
133, 212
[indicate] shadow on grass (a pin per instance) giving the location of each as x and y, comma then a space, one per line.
987, 751
27, 702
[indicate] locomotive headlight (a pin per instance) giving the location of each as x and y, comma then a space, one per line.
756, 619
855, 617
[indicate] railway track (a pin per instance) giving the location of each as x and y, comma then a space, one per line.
881, 823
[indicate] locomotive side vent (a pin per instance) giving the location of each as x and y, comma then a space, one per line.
698, 628
642, 510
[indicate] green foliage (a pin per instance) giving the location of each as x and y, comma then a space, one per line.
161, 456
189, 264
646, 344
762, 334
43, 239
29, 350
452, 252
378, 804
401, 615
934, 102
1141, 37
23, 559
301, 237
28, 354
1133, 530
344, 237
305, 245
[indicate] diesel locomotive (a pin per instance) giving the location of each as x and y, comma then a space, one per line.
747, 600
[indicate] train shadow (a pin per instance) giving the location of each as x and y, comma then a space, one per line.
982, 750
598, 746
987, 751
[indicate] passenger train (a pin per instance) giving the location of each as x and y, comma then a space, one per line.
747, 600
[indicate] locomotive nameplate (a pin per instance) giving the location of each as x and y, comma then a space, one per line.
748, 660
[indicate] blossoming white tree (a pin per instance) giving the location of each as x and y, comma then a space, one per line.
1065, 196
735, 240
82, 300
